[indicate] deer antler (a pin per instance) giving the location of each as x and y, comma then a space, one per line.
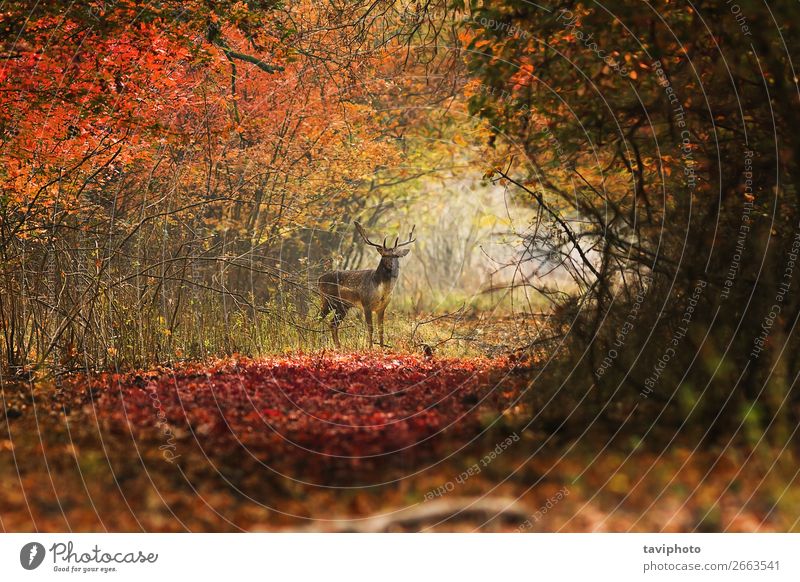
363, 234
410, 240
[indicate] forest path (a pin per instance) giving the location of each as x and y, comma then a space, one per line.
266, 444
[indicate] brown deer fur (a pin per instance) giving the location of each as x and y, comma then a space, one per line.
370, 289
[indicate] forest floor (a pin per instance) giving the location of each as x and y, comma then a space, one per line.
363, 442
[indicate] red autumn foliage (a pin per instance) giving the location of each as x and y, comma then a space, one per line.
347, 406
281, 442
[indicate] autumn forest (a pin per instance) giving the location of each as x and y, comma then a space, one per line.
425, 265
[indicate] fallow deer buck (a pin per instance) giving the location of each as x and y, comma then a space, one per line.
370, 289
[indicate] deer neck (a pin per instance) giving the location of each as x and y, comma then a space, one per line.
388, 270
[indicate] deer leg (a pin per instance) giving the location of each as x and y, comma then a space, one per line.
368, 319
338, 316
323, 313
325, 310
380, 326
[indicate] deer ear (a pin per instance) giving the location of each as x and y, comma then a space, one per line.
402, 252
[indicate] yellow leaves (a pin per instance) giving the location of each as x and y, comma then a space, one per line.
488, 221
619, 484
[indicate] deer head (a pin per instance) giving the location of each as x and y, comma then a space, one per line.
393, 252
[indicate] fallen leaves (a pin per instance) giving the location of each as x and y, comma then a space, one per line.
291, 442
352, 406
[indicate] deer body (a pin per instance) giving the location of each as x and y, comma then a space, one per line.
369, 289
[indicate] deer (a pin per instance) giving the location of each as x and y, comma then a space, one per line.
370, 289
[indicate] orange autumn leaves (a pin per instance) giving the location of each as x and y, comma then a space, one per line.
91, 108
77, 106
